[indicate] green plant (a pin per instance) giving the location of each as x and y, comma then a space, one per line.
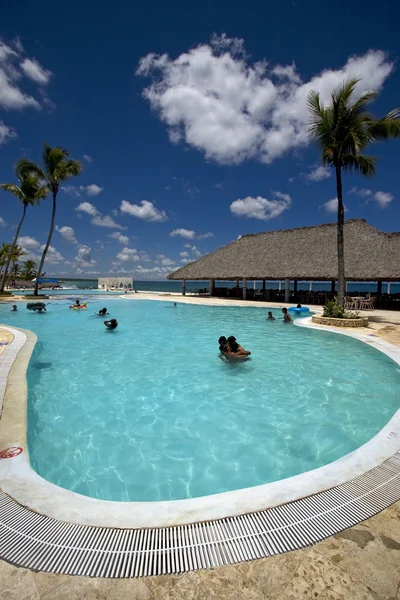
58, 167
333, 310
343, 130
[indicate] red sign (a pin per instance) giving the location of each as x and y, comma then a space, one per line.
10, 452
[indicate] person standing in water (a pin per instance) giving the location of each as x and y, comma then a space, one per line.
111, 324
286, 316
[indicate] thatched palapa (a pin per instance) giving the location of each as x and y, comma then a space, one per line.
306, 253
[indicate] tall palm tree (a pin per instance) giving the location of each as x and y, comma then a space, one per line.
342, 130
57, 166
29, 191
29, 269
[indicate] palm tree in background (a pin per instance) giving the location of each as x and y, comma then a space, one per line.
343, 129
29, 270
29, 191
57, 167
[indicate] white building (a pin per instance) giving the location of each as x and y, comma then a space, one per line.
115, 283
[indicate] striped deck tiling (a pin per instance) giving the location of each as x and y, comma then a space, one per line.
41, 543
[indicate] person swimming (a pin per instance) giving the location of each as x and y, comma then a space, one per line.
298, 306
14, 308
270, 316
286, 316
111, 324
103, 312
236, 348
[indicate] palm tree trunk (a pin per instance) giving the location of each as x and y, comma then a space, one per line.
340, 238
53, 218
3, 281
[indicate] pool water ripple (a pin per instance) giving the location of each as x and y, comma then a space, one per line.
149, 412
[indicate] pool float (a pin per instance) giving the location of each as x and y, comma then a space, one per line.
74, 307
299, 310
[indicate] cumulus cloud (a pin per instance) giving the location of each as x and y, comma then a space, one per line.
15, 67
33, 70
98, 219
185, 233
319, 173
6, 133
67, 234
164, 261
204, 236
122, 239
89, 190
331, 206
145, 210
53, 256
382, 198
83, 257
128, 255
88, 158
214, 99
28, 243
261, 208
2, 222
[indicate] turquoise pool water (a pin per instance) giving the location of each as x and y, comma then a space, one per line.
149, 412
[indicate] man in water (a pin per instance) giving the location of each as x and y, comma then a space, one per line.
14, 308
286, 316
77, 302
111, 324
103, 312
270, 316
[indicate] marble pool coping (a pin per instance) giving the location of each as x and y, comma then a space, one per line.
23, 484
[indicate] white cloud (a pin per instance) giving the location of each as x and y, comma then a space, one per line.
83, 257
33, 70
383, 198
67, 234
331, 206
185, 233
2, 222
14, 67
218, 186
164, 261
6, 133
28, 243
53, 256
145, 210
214, 99
184, 254
122, 239
90, 190
261, 208
204, 236
88, 158
319, 173
98, 219
87, 208
128, 255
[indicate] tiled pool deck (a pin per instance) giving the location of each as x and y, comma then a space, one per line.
360, 563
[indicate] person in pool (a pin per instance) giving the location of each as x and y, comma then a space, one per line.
286, 316
111, 324
103, 312
14, 308
223, 344
77, 303
270, 316
236, 348
298, 306
40, 309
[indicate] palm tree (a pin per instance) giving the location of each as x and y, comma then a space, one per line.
4, 252
15, 270
29, 191
57, 167
342, 130
29, 270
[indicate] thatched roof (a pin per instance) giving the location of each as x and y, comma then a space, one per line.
308, 253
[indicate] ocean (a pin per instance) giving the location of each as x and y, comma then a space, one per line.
175, 286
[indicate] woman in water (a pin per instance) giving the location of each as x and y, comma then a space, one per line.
236, 348
111, 324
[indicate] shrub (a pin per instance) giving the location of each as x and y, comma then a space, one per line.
335, 311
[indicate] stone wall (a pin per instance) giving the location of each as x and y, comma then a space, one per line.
362, 322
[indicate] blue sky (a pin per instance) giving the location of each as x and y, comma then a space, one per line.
190, 121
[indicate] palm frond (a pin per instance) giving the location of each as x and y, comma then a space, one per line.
359, 163
25, 168
13, 189
385, 128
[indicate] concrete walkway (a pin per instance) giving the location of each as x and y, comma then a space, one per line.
362, 563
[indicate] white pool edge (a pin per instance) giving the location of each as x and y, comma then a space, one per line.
22, 483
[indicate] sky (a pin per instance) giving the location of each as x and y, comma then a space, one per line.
190, 121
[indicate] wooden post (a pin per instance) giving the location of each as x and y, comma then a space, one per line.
263, 288
295, 287
244, 291
183, 287
287, 290
388, 288
333, 285
379, 288
211, 286
310, 286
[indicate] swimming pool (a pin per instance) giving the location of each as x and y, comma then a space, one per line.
149, 412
